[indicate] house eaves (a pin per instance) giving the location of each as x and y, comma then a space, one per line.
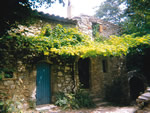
53, 17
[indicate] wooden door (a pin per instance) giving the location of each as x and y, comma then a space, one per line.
43, 94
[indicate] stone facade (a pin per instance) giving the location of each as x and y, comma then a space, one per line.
22, 86
40, 21
64, 78
105, 84
64, 72
85, 23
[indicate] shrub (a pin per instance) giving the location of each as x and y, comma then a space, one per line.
10, 105
76, 100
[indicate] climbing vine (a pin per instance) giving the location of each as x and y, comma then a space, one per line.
69, 42
64, 42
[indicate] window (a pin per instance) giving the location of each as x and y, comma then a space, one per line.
105, 66
8, 74
95, 29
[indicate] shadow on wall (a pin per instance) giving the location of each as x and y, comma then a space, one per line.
136, 87
114, 92
84, 75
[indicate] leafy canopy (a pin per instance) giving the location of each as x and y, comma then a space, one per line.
138, 20
132, 15
14, 12
111, 10
70, 42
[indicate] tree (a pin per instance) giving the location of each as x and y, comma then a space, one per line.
18, 11
138, 12
134, 18
111, 10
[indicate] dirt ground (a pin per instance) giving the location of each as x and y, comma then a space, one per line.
100, 109
108, 109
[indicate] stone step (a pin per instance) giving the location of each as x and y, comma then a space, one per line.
102, 104
147, 95
97, 100
148, 89
142, 98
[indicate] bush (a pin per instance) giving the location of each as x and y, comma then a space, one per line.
84, 99
10, 105
76, 100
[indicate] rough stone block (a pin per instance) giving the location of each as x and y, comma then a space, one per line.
12, 87
60, 73
59, 85
67, 68
7, 83
2, 87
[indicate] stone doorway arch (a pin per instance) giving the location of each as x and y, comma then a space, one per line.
136, 87
84, 72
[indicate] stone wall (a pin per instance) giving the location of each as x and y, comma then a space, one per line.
40, 21
64, 78
22, 87
64, 72
105, 84
85, 22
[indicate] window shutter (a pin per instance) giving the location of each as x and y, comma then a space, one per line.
100, 28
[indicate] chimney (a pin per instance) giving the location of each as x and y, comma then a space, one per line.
69, 9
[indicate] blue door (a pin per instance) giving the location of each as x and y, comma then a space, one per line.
43, 84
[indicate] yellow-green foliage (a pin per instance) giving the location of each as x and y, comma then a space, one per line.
71, 42
115, 46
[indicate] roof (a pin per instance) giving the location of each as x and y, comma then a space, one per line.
53, 17
94, 19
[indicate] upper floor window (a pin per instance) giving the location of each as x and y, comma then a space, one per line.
96, 29
8, 74
105, 66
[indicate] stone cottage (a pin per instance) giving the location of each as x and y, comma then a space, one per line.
41, 81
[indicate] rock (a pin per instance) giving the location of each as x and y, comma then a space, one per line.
142, 98
7, 83
146, 95
68, 79
67, 68
12, 87
60, 73
67, 82
148, 89
59, 85
26, 94
2, 87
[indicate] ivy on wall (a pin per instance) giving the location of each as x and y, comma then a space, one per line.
69, 42
64, 42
